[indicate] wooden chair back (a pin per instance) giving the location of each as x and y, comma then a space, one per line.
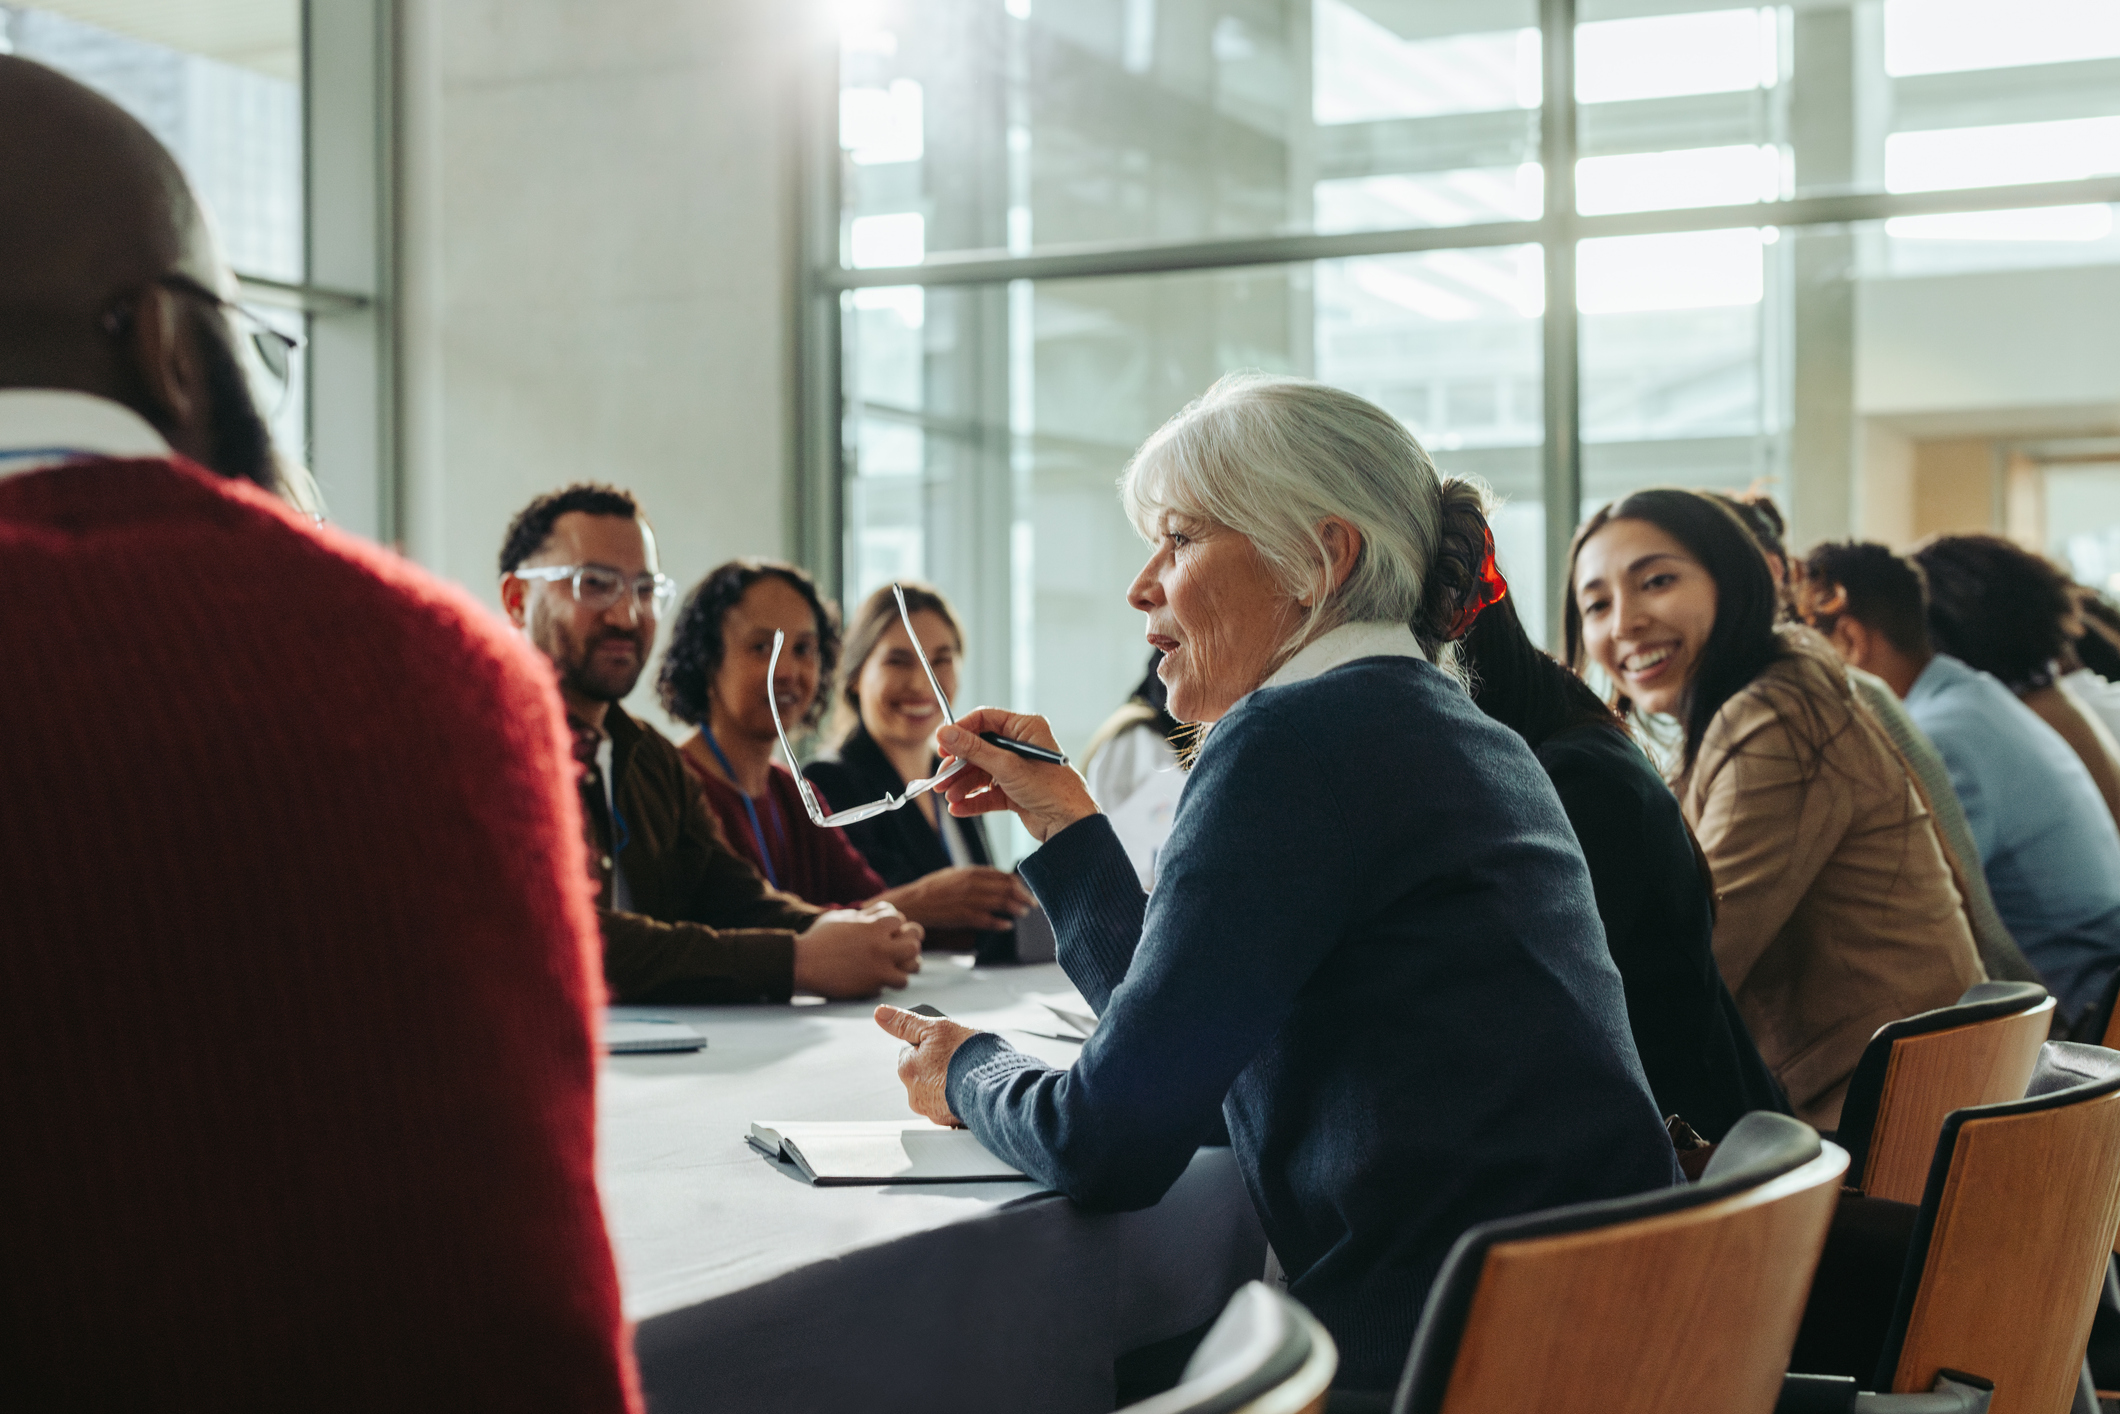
1917, 1071
1670, 1303
1264, 1355
2019, 1216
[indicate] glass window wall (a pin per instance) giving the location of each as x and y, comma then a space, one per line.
1880, 312
220, 86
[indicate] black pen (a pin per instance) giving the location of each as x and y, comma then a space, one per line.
1023, 749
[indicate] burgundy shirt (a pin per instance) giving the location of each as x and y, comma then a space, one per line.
815, 864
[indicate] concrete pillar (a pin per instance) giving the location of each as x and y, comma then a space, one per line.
1822, 433
597, 270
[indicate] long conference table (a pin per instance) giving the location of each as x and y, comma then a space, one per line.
753, 1290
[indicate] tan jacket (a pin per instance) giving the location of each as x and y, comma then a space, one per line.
2086, 736
1835, 907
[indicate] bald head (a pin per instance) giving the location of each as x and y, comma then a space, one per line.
107, 268
96, 207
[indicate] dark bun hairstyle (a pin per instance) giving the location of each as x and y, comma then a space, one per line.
697, 647
1996, 606
1463, 543
1763, 518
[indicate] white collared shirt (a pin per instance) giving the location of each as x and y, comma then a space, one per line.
41, 427
1347, 644
1336, 648
621, 893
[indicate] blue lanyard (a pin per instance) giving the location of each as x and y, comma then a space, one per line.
765, 855
69, 453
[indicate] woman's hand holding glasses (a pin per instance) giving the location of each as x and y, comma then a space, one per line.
1047, 798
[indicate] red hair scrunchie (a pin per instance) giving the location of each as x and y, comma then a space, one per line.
1487, 589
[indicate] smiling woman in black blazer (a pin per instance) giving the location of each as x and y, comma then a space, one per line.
888, 716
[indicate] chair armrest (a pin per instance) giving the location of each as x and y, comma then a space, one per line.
1954, 1394
1816, 1394
1836, 1394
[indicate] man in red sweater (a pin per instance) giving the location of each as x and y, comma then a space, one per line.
297, 988
685, 918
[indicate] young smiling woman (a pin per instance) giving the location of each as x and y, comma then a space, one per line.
887, 718
1835, 907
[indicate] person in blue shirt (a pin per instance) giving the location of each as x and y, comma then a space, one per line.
1373, 945
2047, 843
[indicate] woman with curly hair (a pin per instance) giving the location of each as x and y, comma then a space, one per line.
715, 677
1835, 908
2005, 611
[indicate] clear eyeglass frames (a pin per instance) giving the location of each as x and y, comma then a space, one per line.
598, 587
839, 819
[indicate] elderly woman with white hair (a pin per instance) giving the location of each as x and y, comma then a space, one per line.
1372, 945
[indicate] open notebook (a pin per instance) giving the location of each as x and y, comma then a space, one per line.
878, 1151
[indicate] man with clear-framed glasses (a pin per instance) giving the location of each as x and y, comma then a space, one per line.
685, 919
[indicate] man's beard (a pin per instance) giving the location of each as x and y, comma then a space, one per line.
242, 445
576, 662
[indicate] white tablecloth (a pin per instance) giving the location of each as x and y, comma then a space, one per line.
755, 1291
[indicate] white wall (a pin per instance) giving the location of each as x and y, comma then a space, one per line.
597, 270
2000, 350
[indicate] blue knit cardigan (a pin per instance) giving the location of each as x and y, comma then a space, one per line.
1373, 946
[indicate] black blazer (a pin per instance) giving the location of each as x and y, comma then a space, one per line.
900, 845
1653, 898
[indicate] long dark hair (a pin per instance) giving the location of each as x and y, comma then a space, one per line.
1511, 680
1741, 644
1520, 686
697, 646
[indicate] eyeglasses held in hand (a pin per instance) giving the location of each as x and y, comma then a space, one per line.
598, 587
839, 819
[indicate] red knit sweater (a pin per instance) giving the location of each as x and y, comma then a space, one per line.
297, 974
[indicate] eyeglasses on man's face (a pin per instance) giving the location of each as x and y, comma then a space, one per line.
598, 587
840, 818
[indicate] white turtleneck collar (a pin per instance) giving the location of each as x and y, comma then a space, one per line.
1346, 644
